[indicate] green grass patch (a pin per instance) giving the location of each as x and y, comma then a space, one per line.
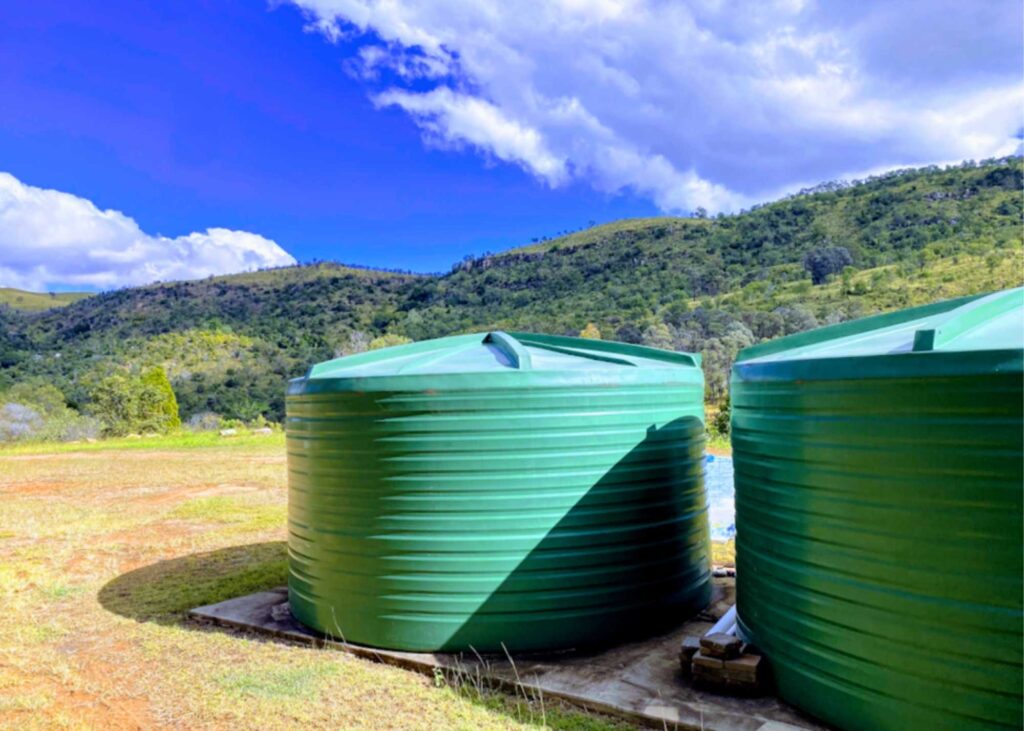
534, 710
177, 440
719, 444
306, 681
21, 299
164, 591
232, 510
61, 591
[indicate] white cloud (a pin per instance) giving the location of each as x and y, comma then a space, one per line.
701, 103
451, 118
50, 237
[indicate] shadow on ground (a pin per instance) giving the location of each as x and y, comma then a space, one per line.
164, 592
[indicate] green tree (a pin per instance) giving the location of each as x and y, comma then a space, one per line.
659, 335
113, 401
128, 403
163, 414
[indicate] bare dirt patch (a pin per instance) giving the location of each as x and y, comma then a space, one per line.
101, 555
32, 488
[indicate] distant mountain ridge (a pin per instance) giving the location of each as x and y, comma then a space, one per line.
705, 284
21, 299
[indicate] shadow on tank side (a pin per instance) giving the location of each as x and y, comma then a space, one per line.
653, 574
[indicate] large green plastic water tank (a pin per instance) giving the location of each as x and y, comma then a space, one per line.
878, 498
494, 489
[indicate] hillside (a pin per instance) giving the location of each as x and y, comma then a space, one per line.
629, 276
21, 299
228, 343
710, 285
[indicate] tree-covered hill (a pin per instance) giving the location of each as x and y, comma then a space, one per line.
632, 274
229, 343
706, 284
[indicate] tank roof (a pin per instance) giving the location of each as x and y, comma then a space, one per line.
988, 322
500, 352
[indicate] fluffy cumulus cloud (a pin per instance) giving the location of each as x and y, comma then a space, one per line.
50, 237
701, 103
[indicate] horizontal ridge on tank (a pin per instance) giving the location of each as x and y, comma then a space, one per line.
497, 490
879, 508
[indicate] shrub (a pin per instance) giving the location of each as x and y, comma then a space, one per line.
387, 341
35, 409
204, 421
719, 424
127, 403
18, 422
165, 405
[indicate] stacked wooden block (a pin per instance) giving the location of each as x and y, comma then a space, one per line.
722, 660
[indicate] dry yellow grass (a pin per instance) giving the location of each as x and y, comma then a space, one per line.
723, 553
103, 552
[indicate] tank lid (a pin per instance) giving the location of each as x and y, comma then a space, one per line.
499, 352
984, 322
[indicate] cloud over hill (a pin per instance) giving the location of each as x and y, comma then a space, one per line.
698, 103
49, 237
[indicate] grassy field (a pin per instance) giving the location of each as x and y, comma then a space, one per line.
103, 549
36, 301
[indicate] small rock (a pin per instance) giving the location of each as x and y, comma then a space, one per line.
744, 669
707, 669
228, 432
721, 645
263, 430
281, 612
689, 647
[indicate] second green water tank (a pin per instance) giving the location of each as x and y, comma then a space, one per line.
497, 490
879, 488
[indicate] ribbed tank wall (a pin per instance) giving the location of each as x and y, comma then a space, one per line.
879, 544
532, 518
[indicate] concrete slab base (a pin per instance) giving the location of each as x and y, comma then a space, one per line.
639, 681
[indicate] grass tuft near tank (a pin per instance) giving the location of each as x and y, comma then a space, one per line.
879, 489
497, 490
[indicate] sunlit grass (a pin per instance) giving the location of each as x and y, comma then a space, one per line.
21, 299
304, 681
178, 440
723, 553
718, 444
244, 513
103, 554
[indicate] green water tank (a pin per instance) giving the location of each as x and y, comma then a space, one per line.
493, 489
878, 514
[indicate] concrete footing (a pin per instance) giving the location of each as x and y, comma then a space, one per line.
639, 681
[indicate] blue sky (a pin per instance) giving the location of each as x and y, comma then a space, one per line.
164, 140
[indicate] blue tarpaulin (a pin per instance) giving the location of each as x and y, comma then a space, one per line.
721, 507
